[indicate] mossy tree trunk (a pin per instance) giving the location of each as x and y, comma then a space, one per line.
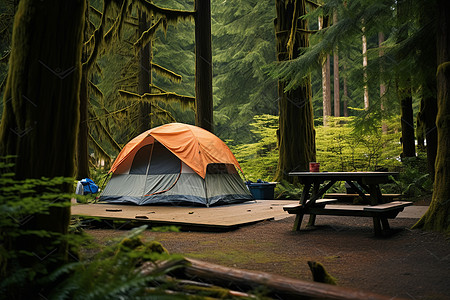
144, 77
438, 215
41, 110
296, 134
203, 66
82, 158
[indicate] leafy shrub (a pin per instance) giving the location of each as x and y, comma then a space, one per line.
111, 273
340, 147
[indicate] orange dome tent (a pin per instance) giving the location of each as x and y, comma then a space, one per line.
176, 163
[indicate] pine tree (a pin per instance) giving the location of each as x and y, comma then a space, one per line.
243, 45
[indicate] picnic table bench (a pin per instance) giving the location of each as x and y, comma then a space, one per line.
379, 213
367, 188
351, 197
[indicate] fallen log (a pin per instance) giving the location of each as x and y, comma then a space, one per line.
278, 286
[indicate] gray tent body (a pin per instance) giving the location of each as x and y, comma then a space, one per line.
157, 176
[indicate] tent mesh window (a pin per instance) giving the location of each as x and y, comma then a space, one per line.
141, 160
220, 169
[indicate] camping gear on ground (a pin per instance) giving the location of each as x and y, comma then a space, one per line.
262, 190
86, 186
176, 164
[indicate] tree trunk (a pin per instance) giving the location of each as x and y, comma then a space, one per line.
337, 106
40, 119
296, 134
82, 157
426, 118
407, 123
144, 77
438, 215
345, 96
203, 66
384, 127
326, 83
364, 53
404, 93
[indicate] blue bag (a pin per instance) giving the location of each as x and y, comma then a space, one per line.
89, 186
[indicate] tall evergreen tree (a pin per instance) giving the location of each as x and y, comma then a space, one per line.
243, 44
296, 134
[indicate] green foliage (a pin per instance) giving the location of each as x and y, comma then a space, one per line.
165, 229
243, 42
259, 160
22, 201
114, 272
111, 273
414, 181
339, 146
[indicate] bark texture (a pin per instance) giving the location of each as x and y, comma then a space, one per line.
438, 215
41, 111
326, 83
426, 118
203, 66
337, 103
404, 91
144, 77
296, 134
366, 86
407, 123
82, 157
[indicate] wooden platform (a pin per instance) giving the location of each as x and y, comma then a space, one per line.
226, 217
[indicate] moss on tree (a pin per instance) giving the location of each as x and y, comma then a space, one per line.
40, 113
296, 134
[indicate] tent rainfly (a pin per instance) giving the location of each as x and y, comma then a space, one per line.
176, 164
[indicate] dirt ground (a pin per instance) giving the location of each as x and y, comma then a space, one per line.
410, 264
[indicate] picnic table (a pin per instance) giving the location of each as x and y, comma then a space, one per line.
365, 184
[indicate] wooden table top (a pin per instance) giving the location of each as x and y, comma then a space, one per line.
342, 175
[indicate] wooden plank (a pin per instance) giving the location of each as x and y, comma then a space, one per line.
388, 206
323, 201
347, 210
344, 195
296, 207
346, 207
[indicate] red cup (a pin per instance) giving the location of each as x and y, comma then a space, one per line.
314, 167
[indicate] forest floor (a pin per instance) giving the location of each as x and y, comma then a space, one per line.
411, 264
